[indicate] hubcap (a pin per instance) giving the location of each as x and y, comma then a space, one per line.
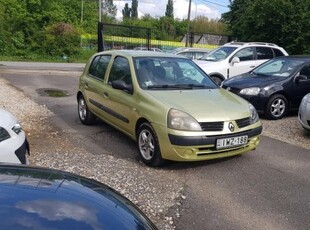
278, 107
82, 109
146, 144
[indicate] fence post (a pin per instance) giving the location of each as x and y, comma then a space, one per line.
148, 38
100, 37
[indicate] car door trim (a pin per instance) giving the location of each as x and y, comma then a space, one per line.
109, 111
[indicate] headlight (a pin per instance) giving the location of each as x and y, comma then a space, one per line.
250, 91
182, 121
254, 115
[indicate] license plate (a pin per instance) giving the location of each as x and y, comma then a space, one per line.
231, 142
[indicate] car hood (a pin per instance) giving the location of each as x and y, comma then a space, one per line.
206, 104
249, 80
7, 120
52, 199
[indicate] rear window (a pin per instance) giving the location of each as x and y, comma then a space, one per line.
278, 52
264, 53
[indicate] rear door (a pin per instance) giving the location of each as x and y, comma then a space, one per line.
93, 82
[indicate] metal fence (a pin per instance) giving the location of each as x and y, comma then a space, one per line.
116, 36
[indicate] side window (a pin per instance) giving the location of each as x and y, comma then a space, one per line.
245, 54
264, 53
278, 53
99, 66
305, 71
120, 71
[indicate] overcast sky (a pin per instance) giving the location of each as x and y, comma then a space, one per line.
156, 8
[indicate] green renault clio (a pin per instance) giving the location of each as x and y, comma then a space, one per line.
168, 105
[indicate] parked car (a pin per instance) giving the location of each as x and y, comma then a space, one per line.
168, 105
236, 58
43, 198
191, 53
304, 112
146, 49
276, 87
14, 146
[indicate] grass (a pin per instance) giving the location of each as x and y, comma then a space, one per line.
81, 57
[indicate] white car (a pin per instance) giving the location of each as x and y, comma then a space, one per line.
304, 112
236, 58
14, 146
191, 53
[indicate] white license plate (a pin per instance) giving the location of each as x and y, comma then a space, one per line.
231, 142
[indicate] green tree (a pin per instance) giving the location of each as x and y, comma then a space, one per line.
203, 24
126, 12
169, 9
284, 22
134, 9
109, 9
61, 39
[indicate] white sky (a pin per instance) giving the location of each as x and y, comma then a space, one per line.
158, 8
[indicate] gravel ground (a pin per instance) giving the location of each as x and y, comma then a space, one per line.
153, 190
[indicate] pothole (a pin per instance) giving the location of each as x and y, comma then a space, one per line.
52, 92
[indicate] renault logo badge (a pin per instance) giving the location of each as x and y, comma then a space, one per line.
231, 127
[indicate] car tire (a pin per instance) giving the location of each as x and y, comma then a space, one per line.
85, 115
277, 107
148, 145
217, 80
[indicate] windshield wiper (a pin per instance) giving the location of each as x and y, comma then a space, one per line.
180, 86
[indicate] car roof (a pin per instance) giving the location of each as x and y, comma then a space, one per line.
84, 202
239, 44
139, 53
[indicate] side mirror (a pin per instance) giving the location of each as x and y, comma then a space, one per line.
121, 85
235, 60
300, 78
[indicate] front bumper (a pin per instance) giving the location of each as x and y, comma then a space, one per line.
199, 148
23, 152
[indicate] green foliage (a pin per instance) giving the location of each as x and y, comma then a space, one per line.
61, 39
204, 25
284, 22
126, 12
134, 9
109, 9
169, 9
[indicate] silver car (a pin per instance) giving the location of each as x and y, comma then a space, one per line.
304, 112
14, 146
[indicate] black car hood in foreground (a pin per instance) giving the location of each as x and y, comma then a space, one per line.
250, 80
37, 198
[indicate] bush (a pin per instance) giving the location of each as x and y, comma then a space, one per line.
61, 39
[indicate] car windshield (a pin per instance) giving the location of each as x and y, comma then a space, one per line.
170, 73
218, 54
278, 67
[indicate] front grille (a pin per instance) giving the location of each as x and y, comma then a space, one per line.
212, 126
243, 122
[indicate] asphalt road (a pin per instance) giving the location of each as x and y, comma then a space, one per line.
268, 188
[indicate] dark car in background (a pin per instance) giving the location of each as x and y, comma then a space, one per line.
275, 87
42, 198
